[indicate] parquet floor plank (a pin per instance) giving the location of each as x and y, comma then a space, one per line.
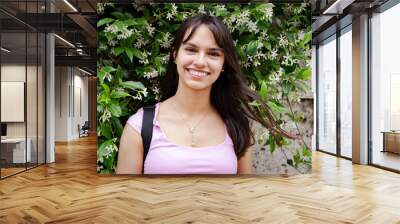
70, 191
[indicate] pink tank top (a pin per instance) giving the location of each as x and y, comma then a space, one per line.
165, 157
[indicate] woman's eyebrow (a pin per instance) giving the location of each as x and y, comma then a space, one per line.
211, 49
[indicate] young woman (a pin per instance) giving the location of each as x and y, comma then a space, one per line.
201, 125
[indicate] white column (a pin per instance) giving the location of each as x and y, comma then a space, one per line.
50, 94
360, 90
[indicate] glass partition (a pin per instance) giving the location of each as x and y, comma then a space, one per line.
385, 89
22, 78
327, 95
346, 92
13, 94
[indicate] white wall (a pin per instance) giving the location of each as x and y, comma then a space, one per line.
70, 83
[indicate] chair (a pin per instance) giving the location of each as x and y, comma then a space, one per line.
84, 130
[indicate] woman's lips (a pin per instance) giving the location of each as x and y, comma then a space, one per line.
196, 73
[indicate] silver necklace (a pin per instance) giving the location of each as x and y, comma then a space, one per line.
191, 129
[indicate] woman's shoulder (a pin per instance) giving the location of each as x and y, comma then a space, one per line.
135, 121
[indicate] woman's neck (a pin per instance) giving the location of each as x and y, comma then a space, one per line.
192, 102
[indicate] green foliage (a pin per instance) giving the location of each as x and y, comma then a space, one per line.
272, 41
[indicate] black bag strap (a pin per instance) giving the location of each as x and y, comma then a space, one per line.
147, 130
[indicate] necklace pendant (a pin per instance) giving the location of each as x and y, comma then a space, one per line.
193, 145
191, 130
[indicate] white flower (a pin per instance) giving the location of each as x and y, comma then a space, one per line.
287, 60
260, 55
110, 28
105, 117
102, 6
247, 64
150, 30
252, 26
283, 42
125, 33
268, 13
169, 16
184, 16
137, 97
264, 34
220, 7
140, 42
156, 90
259, 45
152, 74
245, 14
144, 61
256, 63
274, 54
235, 42
166, 41
144, 92
201, 9
174, 9
113, 43
301, 35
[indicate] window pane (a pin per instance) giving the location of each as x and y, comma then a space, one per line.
327, 96
346, 93
386, 89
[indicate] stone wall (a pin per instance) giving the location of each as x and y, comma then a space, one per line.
265, 163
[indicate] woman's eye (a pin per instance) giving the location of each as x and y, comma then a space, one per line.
215, 54
191, 49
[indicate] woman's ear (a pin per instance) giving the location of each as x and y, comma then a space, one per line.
174, 55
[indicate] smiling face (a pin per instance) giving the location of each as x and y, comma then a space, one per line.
199, 60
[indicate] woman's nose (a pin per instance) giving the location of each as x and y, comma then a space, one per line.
200, 60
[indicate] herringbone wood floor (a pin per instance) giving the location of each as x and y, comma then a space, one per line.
70, 191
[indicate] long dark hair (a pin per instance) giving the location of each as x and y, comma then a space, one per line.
230, 94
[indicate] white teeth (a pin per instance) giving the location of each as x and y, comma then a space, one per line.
197, 73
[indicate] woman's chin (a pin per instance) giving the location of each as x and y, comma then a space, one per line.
198, 86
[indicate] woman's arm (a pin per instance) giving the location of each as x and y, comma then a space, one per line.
130, 154
245, 164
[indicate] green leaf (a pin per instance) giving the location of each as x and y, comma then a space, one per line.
119, 94
304, 74
252, 48
272, 145
102, 149
263, 90
115, 110
106, 130
118, 15
136, 22
106, 89
275, 107
133, 85
306, 152
104, 71
307, 37
105, 172
117, 126
130, 52
104, 21
118, 50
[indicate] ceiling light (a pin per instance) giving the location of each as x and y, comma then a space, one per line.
5, 50
70, 5
86, 72
338, 6
64, 40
